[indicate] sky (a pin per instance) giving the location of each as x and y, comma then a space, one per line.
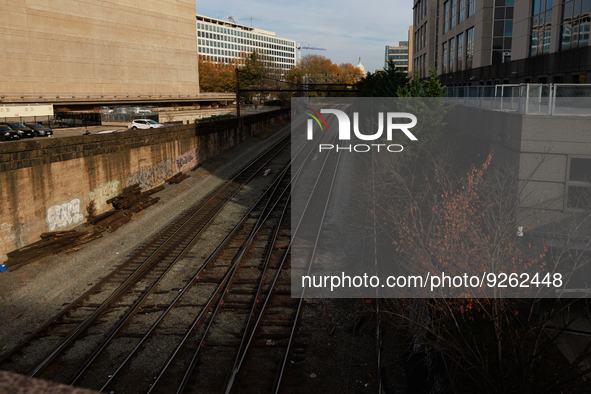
347, 29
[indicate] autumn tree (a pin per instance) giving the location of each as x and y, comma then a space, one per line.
315, 65
349, 73
216, 76
220, 76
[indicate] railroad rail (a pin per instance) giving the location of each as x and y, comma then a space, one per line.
147, 265
230, 327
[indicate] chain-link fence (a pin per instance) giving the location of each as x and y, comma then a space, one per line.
571, 99
126, 114
531, 99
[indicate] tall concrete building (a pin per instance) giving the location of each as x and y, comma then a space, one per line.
75, 47
222, 40
488, 42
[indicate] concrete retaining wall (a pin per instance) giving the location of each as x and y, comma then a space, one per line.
47, 184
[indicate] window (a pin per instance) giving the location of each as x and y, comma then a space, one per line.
502, 32
436, 43
460, 41
445, 17
541, 23
469, 47
452, 15
461, 14
421, 34
471, 7
578, 185
575, 25
444, 60
451, 55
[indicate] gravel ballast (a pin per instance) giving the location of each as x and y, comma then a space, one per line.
34, 293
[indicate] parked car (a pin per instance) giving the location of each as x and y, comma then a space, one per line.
39, 130
144, 124
23, 131
8, 134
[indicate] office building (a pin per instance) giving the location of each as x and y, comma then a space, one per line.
223, 40
492, 42
399, 55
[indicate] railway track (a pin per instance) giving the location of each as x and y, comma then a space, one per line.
135, 278
228, 327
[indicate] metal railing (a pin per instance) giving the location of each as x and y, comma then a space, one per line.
530, 99
57, 97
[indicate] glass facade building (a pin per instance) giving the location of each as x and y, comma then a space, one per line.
460, 36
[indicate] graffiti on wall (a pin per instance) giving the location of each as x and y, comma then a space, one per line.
63, 215
102, 193
149, 177
186, 161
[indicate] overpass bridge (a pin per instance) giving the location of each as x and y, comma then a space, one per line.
102, 99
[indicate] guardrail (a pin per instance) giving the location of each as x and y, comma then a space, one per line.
530, 99
57, 97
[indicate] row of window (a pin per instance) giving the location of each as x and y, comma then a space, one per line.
243, 34
456, 50
421, 37
420, 65
236, 54
393, 51
223, 59
222, 44
236, 47
576, 22
243, 41
575, 28
454, 12
421, 10
575, 25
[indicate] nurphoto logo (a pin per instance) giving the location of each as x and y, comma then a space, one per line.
345, 129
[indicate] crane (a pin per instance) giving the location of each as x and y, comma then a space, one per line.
251, 19
231, 19
300, 47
